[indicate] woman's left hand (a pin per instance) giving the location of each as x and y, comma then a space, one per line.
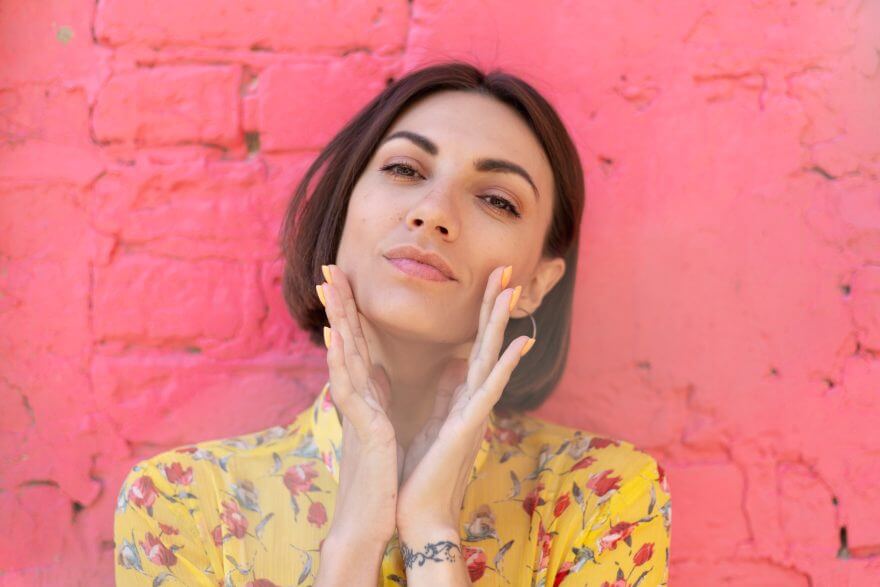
439, 461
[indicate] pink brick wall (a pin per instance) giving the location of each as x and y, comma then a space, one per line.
729, 285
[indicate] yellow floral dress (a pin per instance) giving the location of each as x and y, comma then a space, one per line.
547, 505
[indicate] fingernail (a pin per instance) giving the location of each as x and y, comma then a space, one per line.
320, 290
327, 336
515, 297
326, 271
505, 276
527, 347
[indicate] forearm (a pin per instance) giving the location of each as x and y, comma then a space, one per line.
348, 563
434, 558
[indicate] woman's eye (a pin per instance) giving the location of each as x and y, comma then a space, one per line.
505, 204
501, 203
392, 166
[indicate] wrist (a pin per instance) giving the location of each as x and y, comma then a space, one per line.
343, 541
417, 532
348, 560
433, 556
429, 545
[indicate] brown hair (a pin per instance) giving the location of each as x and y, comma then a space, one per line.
312, 226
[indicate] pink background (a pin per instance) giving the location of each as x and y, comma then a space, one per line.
727, 317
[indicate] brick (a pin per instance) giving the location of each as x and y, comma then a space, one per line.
269, 25
187, 210
170, 105
287, 95
43, 42
713, 526
34, 512
154, 301
800, 490
162, 399
46, 136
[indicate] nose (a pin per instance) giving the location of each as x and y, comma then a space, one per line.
436, 211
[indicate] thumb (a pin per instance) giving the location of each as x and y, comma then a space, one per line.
401, 457
383, 386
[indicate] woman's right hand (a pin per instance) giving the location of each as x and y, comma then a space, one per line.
371, 463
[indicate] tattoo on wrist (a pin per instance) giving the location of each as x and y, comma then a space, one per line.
432, 552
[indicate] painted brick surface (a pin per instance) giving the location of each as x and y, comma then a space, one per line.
728, 312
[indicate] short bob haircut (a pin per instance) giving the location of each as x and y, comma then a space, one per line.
312, 226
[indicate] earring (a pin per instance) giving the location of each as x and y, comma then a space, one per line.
534, 325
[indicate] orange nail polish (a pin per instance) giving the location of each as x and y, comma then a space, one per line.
527, 347
505, 276
320, 290
515, 297
326, 271
327, 336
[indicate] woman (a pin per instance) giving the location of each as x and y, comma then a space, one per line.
448, 214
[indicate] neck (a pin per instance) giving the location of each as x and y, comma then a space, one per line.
413, 367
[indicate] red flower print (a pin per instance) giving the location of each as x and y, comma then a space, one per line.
583, 463
327, 457
544, 545
644, 553
317, 514
599, 442
661, 477
157, 552
562, 573
615, 533
168, 529
217, 535
508, 436
234, 519
260, 583
481, 524
476, 561
142, 492
175, 473
299, 477
533, 499
601, 483
561, 503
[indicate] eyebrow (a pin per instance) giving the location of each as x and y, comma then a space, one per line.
482, 164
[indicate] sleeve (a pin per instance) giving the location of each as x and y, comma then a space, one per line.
158, 532
624, 542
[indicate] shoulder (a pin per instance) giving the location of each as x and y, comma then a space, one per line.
189, 471
573, 459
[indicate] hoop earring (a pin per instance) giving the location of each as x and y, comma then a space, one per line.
534, 325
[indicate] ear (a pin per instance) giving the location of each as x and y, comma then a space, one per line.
547, 274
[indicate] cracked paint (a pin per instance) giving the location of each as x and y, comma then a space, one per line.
727, 320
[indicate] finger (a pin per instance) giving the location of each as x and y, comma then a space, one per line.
357, 369
484, 397
380, 376
338, 280
342, 286
350, 403
493, 288
490, 343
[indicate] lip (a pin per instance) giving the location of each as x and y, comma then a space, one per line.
416, 269
420, 263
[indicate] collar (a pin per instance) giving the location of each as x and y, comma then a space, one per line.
321, 431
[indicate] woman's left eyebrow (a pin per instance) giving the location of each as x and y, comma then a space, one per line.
491, 165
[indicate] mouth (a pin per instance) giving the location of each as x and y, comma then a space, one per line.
413, 268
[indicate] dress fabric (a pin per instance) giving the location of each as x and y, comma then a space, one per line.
547, 505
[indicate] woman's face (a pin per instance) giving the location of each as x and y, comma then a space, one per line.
432, 196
